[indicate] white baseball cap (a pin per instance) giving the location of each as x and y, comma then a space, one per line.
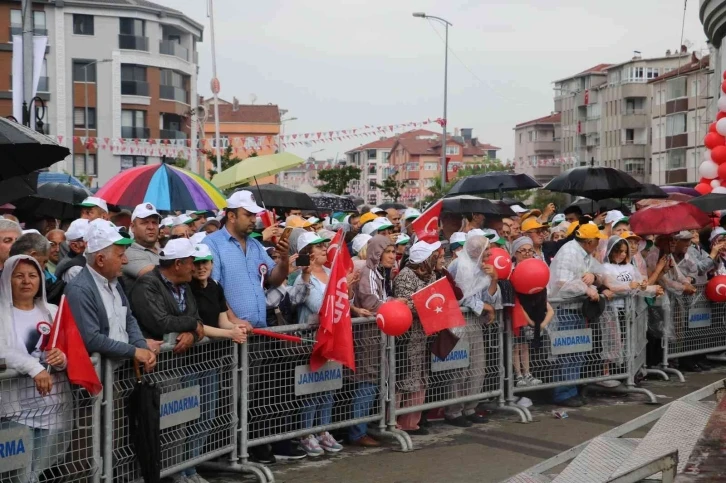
403, 239
32, 230
244, 199
102, 234
717, 232
410, 214
518, 209
475, 232
422, 250
558, 218
309, 238
144, 210
176, 249
198, 237
457, 237
93, 201
182, 220
494, 236
168, 221
77, 229
375, 210
313, 220
613, 216
359, 241
202, 252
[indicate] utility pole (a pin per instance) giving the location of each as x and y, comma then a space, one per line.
26, 7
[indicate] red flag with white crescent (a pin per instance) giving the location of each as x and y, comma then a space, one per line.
426, 226
437, 307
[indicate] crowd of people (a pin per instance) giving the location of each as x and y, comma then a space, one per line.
135, 280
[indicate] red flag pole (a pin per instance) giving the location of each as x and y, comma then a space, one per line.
276, 335
57, 328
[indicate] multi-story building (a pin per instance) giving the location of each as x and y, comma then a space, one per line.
605, 112
537, 147
305, 177
131, 65
680, 119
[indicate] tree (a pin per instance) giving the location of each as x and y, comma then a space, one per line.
180, 161
335, 180
479, 166
391, 187
543, 198
228, 159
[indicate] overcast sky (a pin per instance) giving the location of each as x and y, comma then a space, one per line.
340, 64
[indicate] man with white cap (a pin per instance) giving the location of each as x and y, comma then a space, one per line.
143, 254
394, 217
456, 243
98, 304
163, 301
407, 218
93, 208
72, 264
242, 266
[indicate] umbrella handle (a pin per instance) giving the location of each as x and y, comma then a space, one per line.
137, 370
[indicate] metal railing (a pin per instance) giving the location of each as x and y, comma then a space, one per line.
172, 47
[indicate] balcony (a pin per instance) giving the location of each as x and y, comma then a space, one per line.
592, 125
134, 88
632, 149
131, 132
172, 93
580, 99
411, 175
677, 105
634, 119
132, 42
558, 104
43, 83
171, 47
172, 134
634, 89
540, 146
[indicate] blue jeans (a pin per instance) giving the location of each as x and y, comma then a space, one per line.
47, 447
365, 396
322, 404
208, 400
569, 364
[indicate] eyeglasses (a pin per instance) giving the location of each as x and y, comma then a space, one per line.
525, 251
176, 237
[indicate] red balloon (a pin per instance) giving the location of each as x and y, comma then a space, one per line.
713, 140
720, 115
723, 86
721, 171
394, 318
718, 154
705, 180
502, 263
712, 128
530, 277
724, 74
716, 289
705, 188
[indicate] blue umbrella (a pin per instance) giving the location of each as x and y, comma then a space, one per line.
48, 177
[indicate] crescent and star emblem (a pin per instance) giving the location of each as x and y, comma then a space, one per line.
535, 290
718, 289
438, 309
496, 263
382, 323
435, 219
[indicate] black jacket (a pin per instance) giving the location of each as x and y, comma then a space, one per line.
157, 311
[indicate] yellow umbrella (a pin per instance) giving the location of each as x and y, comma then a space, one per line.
256, 167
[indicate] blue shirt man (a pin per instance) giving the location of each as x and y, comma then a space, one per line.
242, 266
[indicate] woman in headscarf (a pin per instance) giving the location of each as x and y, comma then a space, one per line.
40, 402
411, 364
478, 282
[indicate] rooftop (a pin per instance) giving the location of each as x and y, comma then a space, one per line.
143, 5
387, 143
597, 69
550, 119
693, 65
247, 113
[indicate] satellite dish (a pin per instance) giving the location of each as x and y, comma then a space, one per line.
253, 98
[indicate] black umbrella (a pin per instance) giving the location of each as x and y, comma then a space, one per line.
18, 187
710, 202
274, 196
390, 204
357, 200
589, 206
142, 408
495, 182
474, 204
54, 200
649, 191
595, 182
23, 150
331, 202
512, 202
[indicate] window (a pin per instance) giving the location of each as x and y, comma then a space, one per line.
16, 18
651, 72
531, 134
82, 73
676, 159
431, 166
171, 78
676, 124
635, 166
223, 140
371, 153
452, 150
132, 161
39, 26
132, 26
696, 88
79, 118
386, 156
81, 165
82, 24
520, 138
133, 124
676, 88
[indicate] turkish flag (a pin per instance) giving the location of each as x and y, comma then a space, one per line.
335, 243
65, 336
335, 334
426, 226
437, 307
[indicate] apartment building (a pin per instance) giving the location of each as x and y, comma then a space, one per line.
131, 65
372, 158
537, 147
680, 117
605, 112
305, 177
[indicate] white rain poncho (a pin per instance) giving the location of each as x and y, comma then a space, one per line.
470, 277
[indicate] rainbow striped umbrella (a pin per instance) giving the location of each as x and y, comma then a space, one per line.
166, 187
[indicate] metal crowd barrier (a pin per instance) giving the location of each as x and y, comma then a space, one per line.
696, 326
574, 351
198, 409
52, 438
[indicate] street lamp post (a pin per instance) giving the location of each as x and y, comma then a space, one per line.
85, 97
447, 24
282, 129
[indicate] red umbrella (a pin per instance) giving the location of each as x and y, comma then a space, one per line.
668, 218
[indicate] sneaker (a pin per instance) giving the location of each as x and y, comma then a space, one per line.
311, 446
195, 478
179, 479
286, 450
328, 443
520, 382
262, 454
531, 380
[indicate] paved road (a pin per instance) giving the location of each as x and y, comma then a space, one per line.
487, 453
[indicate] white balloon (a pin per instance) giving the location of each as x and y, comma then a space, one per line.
708, 169
722, 103
719, 190
715, 183
721, 126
